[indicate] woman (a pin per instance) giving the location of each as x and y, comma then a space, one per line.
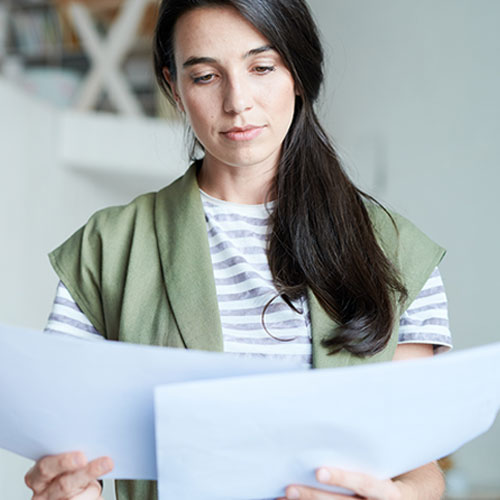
291, 241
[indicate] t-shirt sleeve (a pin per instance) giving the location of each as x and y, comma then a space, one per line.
67, 318
426, 320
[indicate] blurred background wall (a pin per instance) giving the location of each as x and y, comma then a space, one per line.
412, 103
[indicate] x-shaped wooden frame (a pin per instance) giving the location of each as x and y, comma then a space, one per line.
107, 55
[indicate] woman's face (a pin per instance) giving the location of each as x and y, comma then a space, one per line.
233, 86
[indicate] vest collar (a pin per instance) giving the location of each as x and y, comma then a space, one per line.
186, 263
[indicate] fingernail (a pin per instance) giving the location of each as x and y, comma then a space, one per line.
323, 475
293, 494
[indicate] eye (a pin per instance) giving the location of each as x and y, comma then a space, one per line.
204, 78
264, 70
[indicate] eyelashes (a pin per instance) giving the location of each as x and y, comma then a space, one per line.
204, 79
264, 70
210, 77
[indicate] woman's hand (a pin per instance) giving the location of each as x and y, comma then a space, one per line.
365, 486
68, 476
424, 483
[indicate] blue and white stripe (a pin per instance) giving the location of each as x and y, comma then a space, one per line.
426, 320
237, 236
66, 317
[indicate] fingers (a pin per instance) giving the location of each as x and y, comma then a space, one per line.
73, 483
48, 468
92, 491
63, 476
306, 493
364, 485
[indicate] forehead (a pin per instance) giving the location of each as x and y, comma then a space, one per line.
215, 31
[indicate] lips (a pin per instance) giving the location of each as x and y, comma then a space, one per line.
246, 133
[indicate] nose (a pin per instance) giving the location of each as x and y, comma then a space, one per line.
237, 96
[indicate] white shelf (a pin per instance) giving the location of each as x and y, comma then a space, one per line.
103, 142
121, 145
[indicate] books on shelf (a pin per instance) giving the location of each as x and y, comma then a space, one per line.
41, 32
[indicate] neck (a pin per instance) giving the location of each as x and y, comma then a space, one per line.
245, 184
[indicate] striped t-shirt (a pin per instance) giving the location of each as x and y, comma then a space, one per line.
237, 241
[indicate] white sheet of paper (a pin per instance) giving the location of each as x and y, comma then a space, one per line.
248, 438
62, 394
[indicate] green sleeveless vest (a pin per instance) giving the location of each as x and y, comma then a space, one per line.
142, 273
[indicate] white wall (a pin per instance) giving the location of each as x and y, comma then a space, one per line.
412, 101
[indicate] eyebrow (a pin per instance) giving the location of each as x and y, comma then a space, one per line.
192, 61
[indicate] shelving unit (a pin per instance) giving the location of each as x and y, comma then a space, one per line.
40, 35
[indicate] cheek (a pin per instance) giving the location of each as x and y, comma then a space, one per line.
283, 104
200, 114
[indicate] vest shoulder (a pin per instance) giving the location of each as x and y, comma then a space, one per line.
410, 250
114, 229
114, 217
393, 229
142, 207
98, 254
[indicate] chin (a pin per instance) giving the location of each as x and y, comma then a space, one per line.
249, 158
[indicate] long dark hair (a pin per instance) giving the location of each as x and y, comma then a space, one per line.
321, 234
